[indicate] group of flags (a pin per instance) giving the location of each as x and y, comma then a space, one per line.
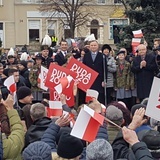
136, 40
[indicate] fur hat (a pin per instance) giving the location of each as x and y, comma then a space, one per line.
37, 151
99, 149
23, 63
106, 46
23, 92
68, 146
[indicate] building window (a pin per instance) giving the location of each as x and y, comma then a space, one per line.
51, 27
94, 28
101, 1
34, 28
117, 1
1, 2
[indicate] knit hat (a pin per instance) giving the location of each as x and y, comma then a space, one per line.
23, 92
137, 106
152, 140
68, 146
114, 114
99, 149
106, 46
37, 151
23, 63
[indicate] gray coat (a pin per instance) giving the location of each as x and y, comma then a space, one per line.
111, 66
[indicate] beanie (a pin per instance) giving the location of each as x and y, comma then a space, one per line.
23, 92
106, 46
99, 149
68, 146
37, 151
23, 63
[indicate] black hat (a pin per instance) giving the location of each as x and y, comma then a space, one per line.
38, 56
152, 140
68, 146
106, 46
10, 56
137, 106
23, 63
23, 92
121, 52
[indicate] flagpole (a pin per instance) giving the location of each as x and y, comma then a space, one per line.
105, 82
112, 123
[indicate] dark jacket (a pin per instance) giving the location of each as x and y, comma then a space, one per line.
60, 59
144, 76
46, 61
96, 65
25, 74
36, 130
138, 151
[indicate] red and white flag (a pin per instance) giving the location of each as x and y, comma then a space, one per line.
136, 41
54, 109
10, 84
91, 93
64, 82
42, 78
87, 124
137, 33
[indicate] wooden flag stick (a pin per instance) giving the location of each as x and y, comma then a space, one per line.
112, 123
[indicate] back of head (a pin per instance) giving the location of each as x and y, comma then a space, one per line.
37, 151
69, 147
37, 111
114, 114
152, 140
23, 92
137, 106
99, 149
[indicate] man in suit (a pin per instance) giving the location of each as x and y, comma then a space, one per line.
60, 57
94, 59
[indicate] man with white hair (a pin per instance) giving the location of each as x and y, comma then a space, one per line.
144, 67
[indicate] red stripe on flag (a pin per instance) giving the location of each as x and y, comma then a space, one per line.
91, 130
53, 112
12, 88
138, 35
99, 118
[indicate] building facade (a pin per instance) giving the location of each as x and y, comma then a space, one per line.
22, 23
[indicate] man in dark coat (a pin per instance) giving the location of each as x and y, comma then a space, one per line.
144, 67
94, 60
40, 123
60, 57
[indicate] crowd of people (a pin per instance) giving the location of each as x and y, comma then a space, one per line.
124, 82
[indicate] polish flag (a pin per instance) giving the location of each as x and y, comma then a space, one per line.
137, 34
10, 84
136, 41
91, 94
54, 109
87, 124
64, 82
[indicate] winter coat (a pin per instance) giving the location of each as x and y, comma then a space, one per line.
138, 151
13, 145
25, 74
144, 76
36, 130
60, 59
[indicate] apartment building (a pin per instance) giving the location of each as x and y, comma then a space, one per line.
22, 23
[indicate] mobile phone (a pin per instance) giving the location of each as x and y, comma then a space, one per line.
5, 92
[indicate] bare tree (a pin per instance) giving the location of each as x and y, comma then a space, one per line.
75, 12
